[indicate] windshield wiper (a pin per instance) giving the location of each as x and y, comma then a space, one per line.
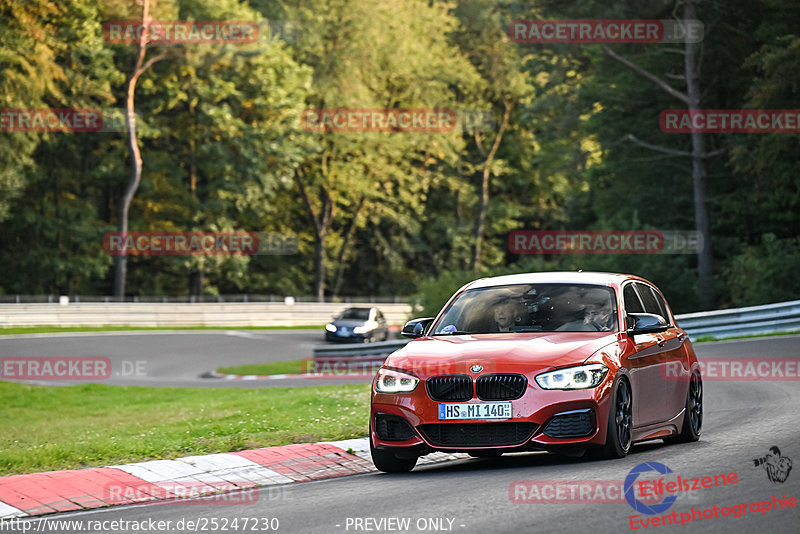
536, 328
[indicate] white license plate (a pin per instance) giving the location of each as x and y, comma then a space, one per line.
475, 410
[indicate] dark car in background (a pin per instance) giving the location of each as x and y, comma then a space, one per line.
358, 325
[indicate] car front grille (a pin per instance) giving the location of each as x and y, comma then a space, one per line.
477, 434
576, 424
449, 388
498, 387
392, 428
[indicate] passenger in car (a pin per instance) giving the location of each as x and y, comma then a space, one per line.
597, 317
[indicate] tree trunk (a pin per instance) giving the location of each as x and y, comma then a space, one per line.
705, 276
320, 268
322, 221
484, 206
136, 176
348, 234
196, 283
698, 155
121, 270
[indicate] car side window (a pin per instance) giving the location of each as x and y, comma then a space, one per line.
662, 303
632, 302
651, 305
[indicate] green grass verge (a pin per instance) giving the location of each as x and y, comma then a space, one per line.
112, 328
292, 367
707, 339
48, 427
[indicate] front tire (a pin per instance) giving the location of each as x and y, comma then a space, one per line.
389, 463
693, 418
620, 424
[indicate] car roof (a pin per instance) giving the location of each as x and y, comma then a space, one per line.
561, 277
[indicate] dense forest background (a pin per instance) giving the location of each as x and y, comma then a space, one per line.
575, 144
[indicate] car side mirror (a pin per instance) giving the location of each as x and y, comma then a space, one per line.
647, 323
416, 327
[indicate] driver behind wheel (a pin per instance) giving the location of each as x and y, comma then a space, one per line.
506, 314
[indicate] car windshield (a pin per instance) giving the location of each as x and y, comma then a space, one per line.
355, 313
530, 308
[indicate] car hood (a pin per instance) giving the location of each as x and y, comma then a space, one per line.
429, 356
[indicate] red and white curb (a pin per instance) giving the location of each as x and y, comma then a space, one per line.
185, 479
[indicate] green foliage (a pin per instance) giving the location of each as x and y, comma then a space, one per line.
224, 148
435, 292
766, 272
51, 55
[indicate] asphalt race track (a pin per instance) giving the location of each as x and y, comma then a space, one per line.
175, 358
742, 421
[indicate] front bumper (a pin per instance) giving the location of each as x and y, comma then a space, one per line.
541, 420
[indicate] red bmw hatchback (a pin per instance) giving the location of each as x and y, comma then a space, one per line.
566, 362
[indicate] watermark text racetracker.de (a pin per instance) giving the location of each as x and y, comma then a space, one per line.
166, 32
730, 120
605, 31
571, 492
604, 242
346, 367
61, 120
67, 368
199, 243
738, 369
349, 120
148, 525
188, 492
351, 367
646, 492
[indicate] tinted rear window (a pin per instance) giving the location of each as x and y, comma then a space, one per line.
632, 303
651, 305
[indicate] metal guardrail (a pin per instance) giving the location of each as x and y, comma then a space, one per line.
380, 349
753, 320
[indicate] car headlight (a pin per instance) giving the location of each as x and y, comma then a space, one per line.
361, 329
330, 327
581, 377
389, 381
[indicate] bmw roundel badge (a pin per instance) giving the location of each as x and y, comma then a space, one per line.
476, 368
